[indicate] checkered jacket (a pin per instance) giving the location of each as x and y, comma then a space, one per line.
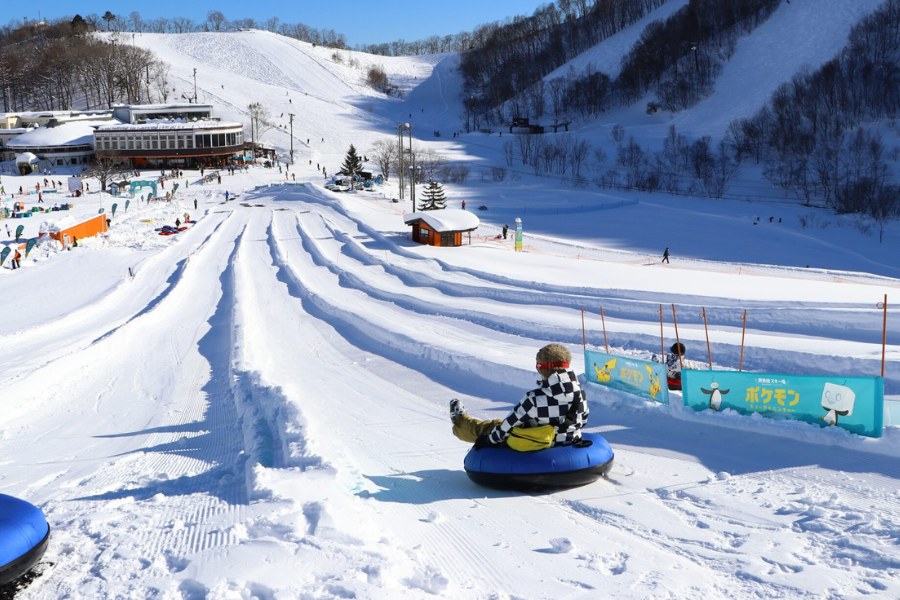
550, 404
673, 366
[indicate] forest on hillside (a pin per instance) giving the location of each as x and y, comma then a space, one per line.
60, 66
818, 138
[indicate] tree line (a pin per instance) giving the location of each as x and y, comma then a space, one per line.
677, 58
818, 137
59, 66
216, 20
506, 62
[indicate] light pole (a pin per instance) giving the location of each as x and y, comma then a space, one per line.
195, 85
291, 116
407, 127
400, 160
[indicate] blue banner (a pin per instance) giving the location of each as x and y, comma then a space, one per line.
853, 403
641, 377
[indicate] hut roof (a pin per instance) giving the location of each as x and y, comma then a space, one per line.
448, 219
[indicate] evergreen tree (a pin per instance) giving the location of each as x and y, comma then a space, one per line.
433, 197
352, 163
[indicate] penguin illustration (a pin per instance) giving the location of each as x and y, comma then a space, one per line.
715, 395
604, 375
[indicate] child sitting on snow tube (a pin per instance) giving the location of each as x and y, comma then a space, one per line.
555, 412
673, 365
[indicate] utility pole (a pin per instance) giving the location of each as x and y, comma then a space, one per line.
195, 85
412, 171
400, 159
291, 115
407, 127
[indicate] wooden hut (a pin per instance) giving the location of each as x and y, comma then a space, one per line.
442, 227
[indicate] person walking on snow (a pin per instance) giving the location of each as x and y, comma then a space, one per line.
558, 401
665, 257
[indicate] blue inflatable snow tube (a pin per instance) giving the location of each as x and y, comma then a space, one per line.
557, 467
24, 534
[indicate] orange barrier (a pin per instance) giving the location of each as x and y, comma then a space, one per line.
88, 228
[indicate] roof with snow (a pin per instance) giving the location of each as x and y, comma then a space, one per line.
170, 124
76, 133
448, 219
26, 158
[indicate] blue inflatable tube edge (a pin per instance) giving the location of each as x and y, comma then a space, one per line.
557, 467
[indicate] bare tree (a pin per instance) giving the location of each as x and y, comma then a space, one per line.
557, 93
108, 167
245, 23
159, 77
157, 25
260, 122
137, 22
430, 162
216, 19
884, 205
384, 153
182, 25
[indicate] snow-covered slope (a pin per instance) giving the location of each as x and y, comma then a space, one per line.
257, 407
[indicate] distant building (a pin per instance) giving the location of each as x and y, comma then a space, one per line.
442, 227
169, 135
523, 125
145, 135
57, 138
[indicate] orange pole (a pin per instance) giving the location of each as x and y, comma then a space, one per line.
583, 334
883, 335
605, 339
743, 331
677, 339
662, 344
706, 329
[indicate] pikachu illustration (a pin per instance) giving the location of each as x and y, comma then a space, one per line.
604, 375
654, 382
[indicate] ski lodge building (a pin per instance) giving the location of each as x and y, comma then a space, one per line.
169, 135
147, 135
57, 138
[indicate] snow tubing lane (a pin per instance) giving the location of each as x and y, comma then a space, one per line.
557, 467
24, 535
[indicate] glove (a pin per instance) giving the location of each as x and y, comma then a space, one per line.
483, 441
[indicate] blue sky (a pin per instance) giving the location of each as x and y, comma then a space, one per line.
361, 22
